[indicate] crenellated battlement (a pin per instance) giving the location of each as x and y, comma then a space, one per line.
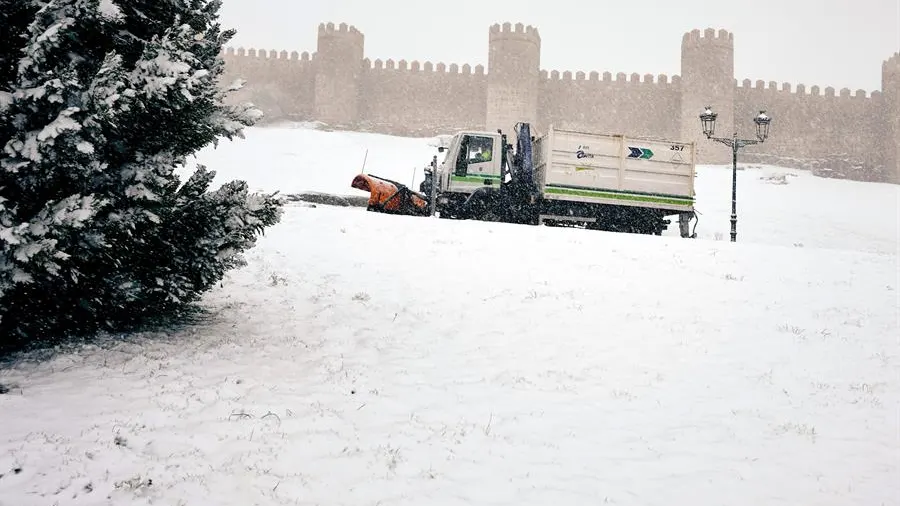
519, 31
607, 77
892, 64
814, 91
424, 68
341, 30
263, 54
708, 37
508, 27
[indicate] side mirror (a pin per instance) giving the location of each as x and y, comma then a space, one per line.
440, 149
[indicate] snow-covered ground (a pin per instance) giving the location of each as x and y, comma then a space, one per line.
369, 359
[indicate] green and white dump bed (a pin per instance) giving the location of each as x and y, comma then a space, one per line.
613, 169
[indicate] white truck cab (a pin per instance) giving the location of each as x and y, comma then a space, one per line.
472, 160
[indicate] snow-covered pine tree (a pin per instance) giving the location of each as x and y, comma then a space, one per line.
103, 100
15, 15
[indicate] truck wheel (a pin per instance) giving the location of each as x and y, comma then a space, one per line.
446, 212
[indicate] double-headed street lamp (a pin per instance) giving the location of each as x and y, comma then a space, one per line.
708, 120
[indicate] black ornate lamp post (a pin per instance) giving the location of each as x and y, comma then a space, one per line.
708, 120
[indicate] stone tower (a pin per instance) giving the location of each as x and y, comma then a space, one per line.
338, 62
707, 79
890, 89
514, 62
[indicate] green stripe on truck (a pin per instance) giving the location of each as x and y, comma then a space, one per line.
554, 190
474, 179
581, 192
628, 192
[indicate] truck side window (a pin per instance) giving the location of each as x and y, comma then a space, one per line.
480, 149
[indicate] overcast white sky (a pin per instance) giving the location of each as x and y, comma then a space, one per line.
838, 43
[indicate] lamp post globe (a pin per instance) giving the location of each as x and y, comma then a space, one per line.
708, 121
762, 126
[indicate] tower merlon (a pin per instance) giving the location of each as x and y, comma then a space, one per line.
708, 37
519, 31
342, 30
892, 64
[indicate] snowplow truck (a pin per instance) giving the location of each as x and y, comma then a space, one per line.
563, 178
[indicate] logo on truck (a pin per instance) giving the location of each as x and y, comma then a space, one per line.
581, 153
642, 153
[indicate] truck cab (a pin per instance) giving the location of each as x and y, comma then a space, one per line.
473, 160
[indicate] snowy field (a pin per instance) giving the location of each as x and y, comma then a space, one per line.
364, 359
776, 206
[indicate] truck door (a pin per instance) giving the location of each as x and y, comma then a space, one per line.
477, 163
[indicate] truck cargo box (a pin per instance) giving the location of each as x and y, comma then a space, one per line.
614, 169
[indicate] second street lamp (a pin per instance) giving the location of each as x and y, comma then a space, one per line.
708, 121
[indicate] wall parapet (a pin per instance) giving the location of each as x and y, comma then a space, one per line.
263, 54
814, 91
607, 77
423, 68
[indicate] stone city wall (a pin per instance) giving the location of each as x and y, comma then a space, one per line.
838, 133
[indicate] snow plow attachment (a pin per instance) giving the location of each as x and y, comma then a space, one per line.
391, 197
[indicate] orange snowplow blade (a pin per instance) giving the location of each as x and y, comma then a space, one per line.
390, 197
